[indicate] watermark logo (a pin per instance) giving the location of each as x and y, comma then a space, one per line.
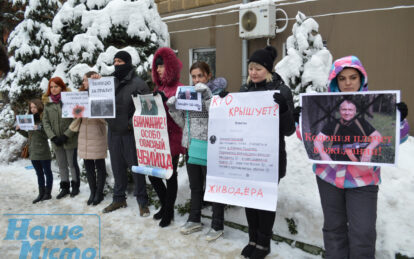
76, 236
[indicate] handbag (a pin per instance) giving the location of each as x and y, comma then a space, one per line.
197, 153
197, 150
25, 151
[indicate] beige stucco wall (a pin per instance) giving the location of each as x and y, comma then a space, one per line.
382, 39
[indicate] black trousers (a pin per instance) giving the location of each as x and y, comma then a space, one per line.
167, 194
123, 156
197, 179
260, 224
95, 173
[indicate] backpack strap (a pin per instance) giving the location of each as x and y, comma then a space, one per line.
360, 126
334, 133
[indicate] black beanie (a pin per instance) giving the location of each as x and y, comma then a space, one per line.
265, 57
124, 56
159, 61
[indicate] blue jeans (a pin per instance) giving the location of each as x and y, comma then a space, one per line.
43, 169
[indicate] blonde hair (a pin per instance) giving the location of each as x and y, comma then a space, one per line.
269, 76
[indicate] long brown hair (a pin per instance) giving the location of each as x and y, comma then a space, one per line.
88, 75
39, 106
59, 82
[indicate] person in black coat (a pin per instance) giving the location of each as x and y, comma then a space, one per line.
261, 78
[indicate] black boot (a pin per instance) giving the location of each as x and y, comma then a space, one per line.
100, 185
40, 196
262, 248
75, 188
90, 175
161, 191
48, 194
170, 198
64, 190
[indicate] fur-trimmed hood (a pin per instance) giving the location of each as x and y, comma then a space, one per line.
172, 68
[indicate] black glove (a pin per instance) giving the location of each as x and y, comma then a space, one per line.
63, 139
279, 99
57, 141
223, 93
296, 113
402, 107
163, 97
135, 93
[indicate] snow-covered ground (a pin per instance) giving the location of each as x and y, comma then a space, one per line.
124, 234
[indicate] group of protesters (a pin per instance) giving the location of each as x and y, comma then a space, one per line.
349, 210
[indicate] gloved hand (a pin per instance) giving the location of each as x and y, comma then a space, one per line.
171, 102
163, 97
57, 141
296, 113
223, 93
135, 93
63, 139
402, 107
279, 99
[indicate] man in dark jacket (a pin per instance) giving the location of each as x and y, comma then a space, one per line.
121, 141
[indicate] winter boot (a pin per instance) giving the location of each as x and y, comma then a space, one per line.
48, 194
75, 188
92, 185
262, 248
64, 190
40, 196
99, 195
161, 191
114, 206
170, 198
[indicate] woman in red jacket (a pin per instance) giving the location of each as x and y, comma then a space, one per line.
166, 69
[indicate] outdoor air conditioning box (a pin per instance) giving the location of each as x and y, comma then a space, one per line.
257, 20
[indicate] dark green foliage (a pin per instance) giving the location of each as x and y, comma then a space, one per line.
292, 226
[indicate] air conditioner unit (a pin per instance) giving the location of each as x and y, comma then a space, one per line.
257, 20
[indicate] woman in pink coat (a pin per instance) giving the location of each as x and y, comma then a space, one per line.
166, 69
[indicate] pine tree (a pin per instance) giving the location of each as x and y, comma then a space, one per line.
33, 59
93, 31
306, 66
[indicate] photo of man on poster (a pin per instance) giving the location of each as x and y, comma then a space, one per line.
347, 128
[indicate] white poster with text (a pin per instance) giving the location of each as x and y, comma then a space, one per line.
75, 104
243, 150
102, 97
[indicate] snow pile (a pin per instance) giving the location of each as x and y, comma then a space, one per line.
7, 120
11, 148
126, 235
306, 66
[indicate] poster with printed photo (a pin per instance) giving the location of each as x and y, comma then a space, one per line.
25, 121
359, 128
151, 137
75, 104
102, 97
188, 99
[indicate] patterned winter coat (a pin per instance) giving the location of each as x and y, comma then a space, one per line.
351, 176
168, 84
193, 123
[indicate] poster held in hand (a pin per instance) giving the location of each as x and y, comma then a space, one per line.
151, 137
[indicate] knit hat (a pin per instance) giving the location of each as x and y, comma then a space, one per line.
265, 57
124, 56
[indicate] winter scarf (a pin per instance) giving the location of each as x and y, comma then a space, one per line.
56, 98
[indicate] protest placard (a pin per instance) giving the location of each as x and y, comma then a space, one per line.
25, 121
75, 104
188, 99
243, 150
151, 137
358, 128
102, 97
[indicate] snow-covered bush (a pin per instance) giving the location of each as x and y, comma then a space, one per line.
94, 30
7, 120
306, 66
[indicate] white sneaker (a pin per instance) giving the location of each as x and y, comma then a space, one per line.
191, 227
213, 234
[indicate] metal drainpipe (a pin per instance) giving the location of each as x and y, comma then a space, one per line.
244, 56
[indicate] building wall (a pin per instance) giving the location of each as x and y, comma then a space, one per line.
375, 31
